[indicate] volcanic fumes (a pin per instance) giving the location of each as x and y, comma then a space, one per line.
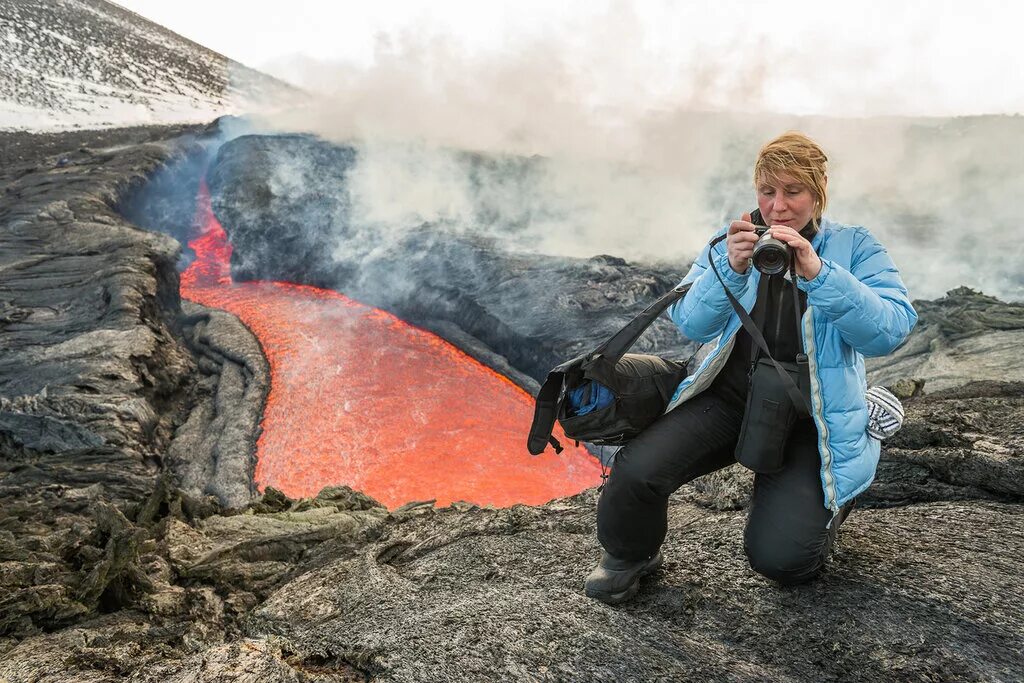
359, 397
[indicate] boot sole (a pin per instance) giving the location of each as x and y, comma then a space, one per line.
623, 596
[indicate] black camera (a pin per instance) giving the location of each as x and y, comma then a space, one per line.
771, 256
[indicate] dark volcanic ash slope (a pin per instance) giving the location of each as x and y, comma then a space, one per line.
114, 565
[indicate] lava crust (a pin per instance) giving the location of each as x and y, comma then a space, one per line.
132, 546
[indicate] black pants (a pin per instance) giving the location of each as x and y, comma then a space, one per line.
785, 539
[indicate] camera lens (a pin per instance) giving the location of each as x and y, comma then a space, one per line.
771, 256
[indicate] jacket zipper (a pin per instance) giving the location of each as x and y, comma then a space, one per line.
819, 416
699, 374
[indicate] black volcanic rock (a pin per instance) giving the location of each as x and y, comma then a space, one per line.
126, 428
285, 202
502, 590
98, 382
291, 213
213, 451
961, 337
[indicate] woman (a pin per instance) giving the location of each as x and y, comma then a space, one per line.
852, 304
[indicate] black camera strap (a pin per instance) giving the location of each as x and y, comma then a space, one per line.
758, 315
754, 331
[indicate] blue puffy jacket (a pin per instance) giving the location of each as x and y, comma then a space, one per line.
856, 306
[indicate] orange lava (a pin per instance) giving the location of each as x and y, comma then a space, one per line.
359, 397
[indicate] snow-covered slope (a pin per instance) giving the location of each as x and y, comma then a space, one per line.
90, 63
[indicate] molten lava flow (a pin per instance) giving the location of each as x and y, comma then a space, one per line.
359, 397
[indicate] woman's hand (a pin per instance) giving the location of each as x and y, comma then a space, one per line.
807, 262
740, 243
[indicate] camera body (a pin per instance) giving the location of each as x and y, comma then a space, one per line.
771, 256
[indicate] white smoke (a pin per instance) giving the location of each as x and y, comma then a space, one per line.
651, 183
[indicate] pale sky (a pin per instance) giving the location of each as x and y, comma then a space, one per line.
868, 57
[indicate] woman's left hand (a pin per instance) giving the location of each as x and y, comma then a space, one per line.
807, 262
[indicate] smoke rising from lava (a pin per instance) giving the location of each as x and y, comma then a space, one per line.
582, 171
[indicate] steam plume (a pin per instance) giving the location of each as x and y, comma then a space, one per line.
616, 176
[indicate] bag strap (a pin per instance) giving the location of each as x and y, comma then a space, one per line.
545, 411
620, 342
792, 389
552, 392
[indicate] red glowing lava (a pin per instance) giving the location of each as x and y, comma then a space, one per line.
359, 397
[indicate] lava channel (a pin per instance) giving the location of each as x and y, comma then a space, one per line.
361, 398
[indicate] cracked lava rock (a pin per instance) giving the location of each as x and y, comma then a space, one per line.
133, 545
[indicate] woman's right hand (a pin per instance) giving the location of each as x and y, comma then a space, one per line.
740, 243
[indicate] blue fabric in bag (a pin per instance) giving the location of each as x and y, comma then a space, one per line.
589, 397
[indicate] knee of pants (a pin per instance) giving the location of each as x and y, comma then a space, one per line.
782, 559
638, 476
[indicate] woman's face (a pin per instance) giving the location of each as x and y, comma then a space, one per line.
785, 201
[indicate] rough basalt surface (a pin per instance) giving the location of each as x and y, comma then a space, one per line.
104, 383
961, 337
132, 546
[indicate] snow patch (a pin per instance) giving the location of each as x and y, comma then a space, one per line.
90, 64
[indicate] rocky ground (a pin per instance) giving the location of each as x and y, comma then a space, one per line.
133, 548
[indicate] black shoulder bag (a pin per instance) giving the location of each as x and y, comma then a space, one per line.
640, 386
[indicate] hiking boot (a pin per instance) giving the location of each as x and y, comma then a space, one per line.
614, 580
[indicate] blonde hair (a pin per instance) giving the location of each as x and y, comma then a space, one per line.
797, 155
